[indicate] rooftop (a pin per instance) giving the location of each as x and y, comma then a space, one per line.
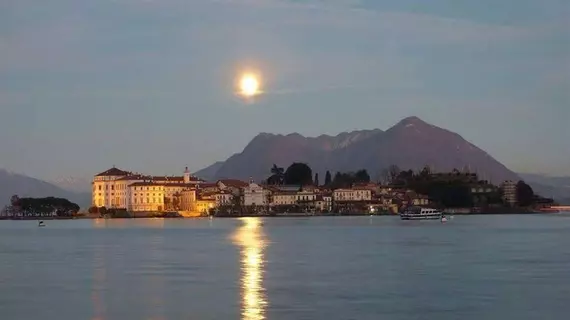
113, 172
234, 183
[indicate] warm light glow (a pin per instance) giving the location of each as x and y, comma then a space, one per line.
250, 238
249, 85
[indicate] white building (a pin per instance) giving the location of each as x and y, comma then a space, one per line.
254, 195
110, 188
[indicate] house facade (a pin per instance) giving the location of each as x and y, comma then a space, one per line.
254, 195
349, 195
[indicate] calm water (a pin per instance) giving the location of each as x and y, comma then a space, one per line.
493, 267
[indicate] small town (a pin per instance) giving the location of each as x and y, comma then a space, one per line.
117, 193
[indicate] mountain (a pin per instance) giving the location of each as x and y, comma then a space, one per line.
547, 186
267, 148
24, 186
73, 184
209, 173
410, 144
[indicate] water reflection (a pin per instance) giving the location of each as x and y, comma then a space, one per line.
251, 239
156, 267
98, 284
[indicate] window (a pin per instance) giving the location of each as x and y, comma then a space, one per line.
99, 187
112, 187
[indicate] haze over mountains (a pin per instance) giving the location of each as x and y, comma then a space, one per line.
410, 144
24, 186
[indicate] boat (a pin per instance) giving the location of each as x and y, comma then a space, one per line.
418, 213
443, 219
41, 224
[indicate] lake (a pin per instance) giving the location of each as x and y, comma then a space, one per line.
473, 267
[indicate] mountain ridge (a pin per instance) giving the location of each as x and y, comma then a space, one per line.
411, 144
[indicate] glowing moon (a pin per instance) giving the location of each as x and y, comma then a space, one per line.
249, 85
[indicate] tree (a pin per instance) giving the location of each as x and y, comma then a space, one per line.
103, 211
14, 200
328, 178
299, 173
274, 180
277, 175
426, 172
316, 182
362, 176
93, 210
525, 194
393, 172
48, 205
343, 180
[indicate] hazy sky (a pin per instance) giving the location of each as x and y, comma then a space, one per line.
148, 85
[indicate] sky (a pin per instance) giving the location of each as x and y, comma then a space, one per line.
149, 85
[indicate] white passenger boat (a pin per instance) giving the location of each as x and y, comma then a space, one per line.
418, 213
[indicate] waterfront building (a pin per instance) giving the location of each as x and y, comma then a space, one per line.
204, 206
323, 203
193, 203
146, 197
109, 190
483, 194
120, 189
305, 196
224, 198
509, 189
255, 195
284, 198
188, 200
419, 200
355, 194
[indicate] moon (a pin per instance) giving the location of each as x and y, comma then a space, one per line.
249, 85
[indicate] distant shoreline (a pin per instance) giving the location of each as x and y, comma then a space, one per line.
266, 216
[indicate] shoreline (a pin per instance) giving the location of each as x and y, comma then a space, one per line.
265, 216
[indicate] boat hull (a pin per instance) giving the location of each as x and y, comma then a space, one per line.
420, 217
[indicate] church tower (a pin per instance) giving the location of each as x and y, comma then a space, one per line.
186, 176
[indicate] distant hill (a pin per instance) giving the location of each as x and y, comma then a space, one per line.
209, 173
73, 184
547, 186
411, 143
24, 186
